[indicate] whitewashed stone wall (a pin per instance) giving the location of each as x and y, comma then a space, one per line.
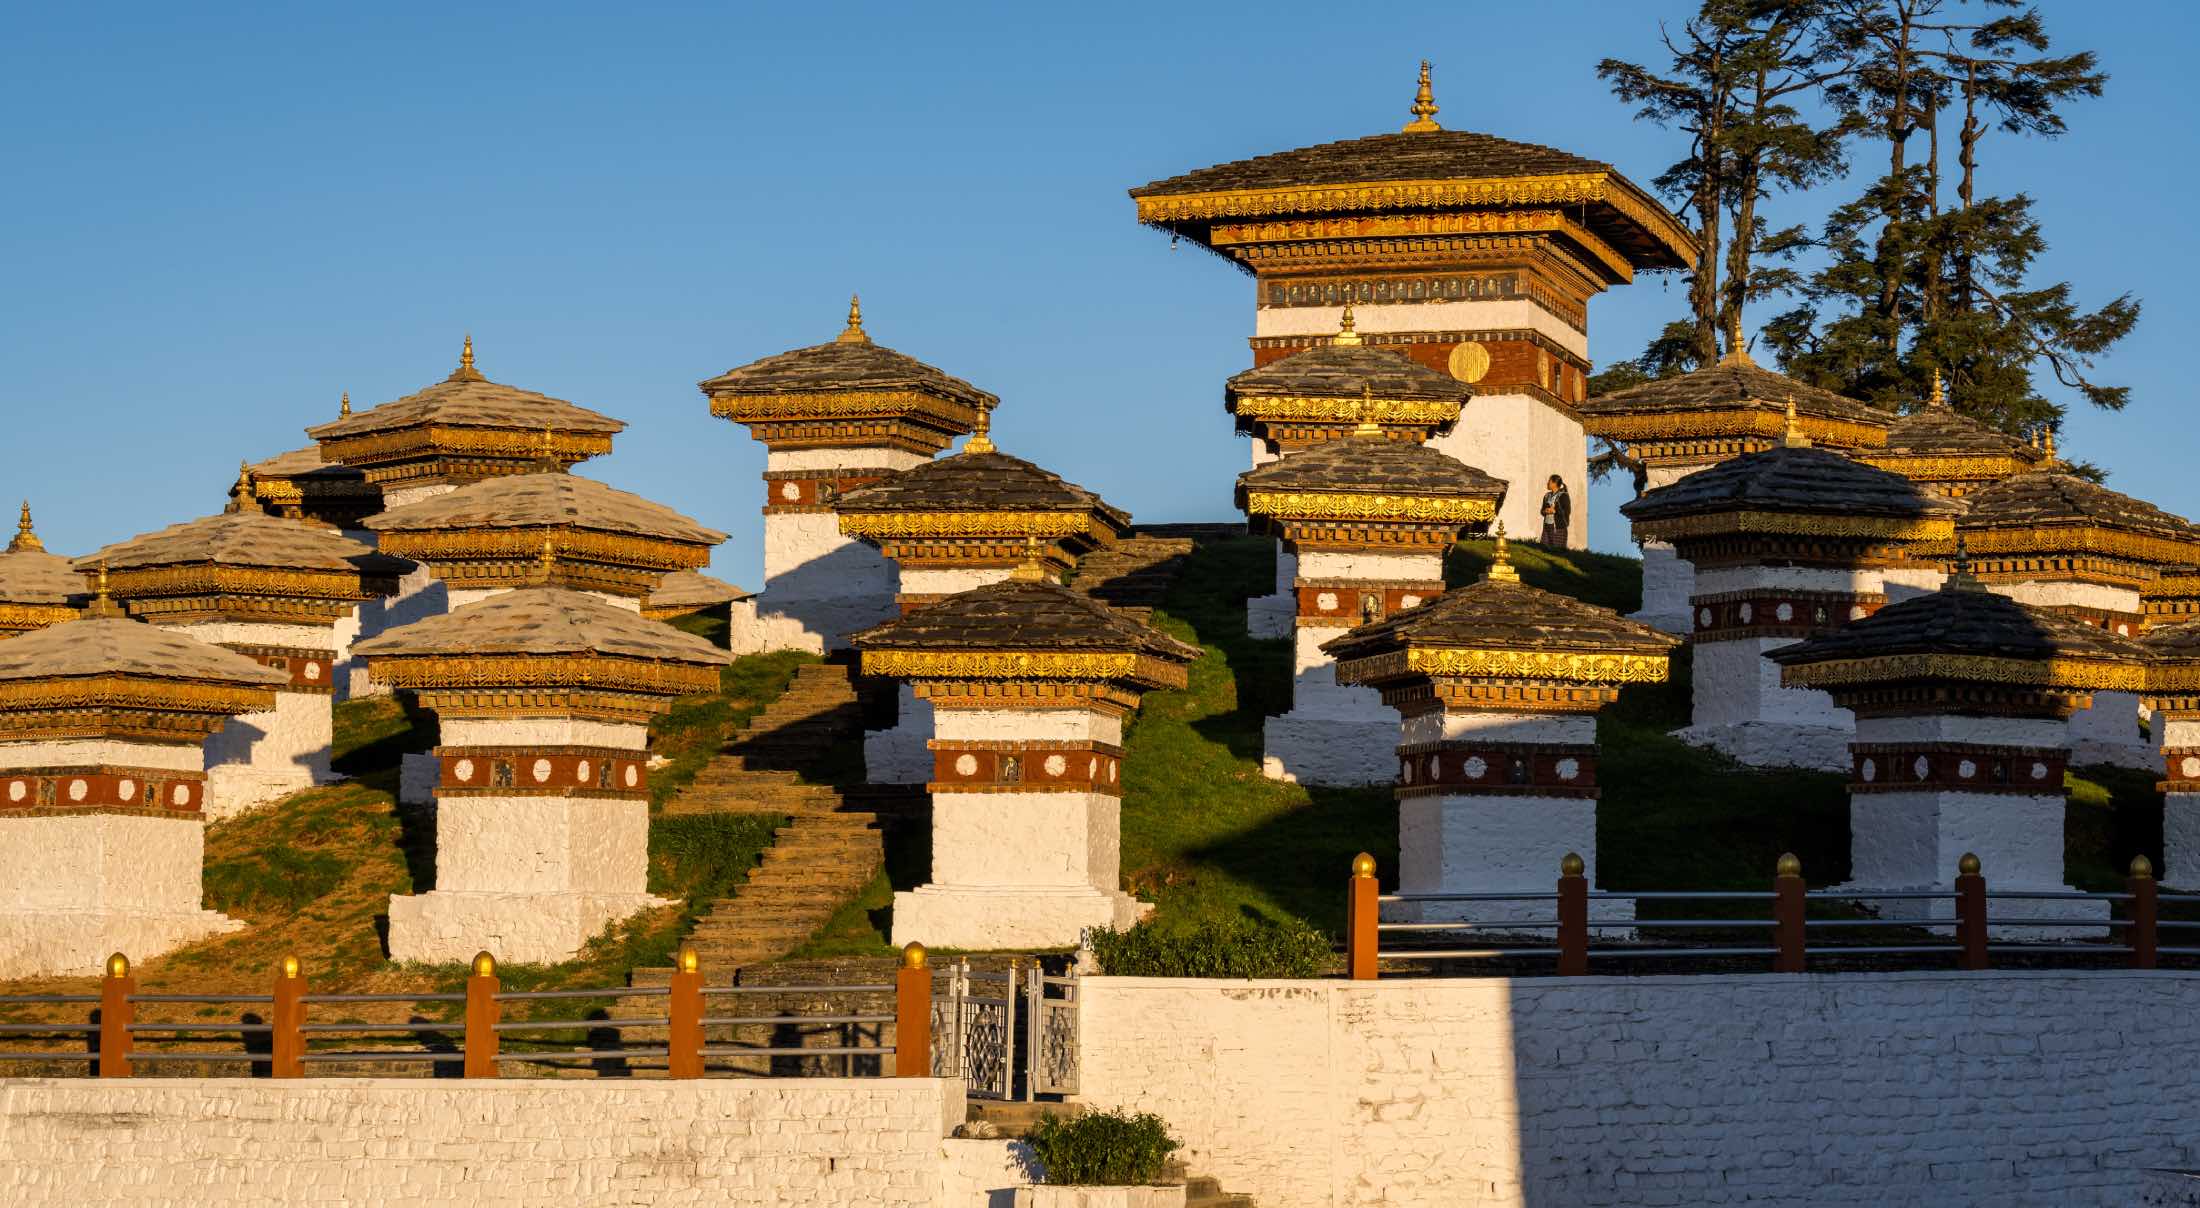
1667, 578
2180, 811
1869, 1089
1524, 441
74, 888
260, 758
502, 1144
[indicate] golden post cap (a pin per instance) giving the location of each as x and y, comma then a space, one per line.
1363, 865
912, 955
689, 962
485, 965
1968, 866
1788, 865
1571, 865
118, 965
2142, 869
289, 966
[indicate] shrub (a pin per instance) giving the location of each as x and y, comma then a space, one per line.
1232, 948
1103, 1149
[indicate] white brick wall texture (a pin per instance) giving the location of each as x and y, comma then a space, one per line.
2004, 1088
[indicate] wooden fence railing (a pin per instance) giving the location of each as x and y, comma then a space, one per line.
288, 1032
1570, 929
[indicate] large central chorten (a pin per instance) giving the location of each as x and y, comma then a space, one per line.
1473, 255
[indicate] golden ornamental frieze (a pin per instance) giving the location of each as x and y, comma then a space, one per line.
1949, 469
1722, 524
525, 545
843, 404
1324, 505
1733, 421
133, 693
980, 525
256, 610
1309, 409
2075, 539
1470, 663
408, 443
2086, 675
1379, 226
1024, 664
19, 618
459, 672
208, 579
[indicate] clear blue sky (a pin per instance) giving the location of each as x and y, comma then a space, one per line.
213, 220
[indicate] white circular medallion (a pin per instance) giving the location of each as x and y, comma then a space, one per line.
633, 776
1871, 770
1409, 601
1056, 765
1113, 767
1923, 767
788, 490
2039, 771
1703, 618
182, 795
1474, 767
17, 790
1092, 768
1405, 771
464, 769
1326, 601
127, 790
2190, 767
1856, 612
1569, 768
1747, 612
966, 765
582, 772
2123, 628
1966, 769
541, 770
1785, 612
78, 790
313, 672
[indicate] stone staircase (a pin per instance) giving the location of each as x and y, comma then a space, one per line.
1133, 574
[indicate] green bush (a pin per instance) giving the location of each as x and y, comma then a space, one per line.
1230, 948
1103, 1149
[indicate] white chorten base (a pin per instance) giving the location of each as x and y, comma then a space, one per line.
1470, 843
526, 928
1308, 748
994, 917
901, 754
2109, 733
1276, 615
819, 586
419, 595
1902, 582
1667, 583
76, 887
1741, 710
2181, 840
1760, 744
261, 758
417, 773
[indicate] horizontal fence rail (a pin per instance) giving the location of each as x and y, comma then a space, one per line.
1788, 927
485, 1031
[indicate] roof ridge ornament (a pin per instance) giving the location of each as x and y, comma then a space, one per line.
2047, 445
1346, 337
546, 563
343, 406
1737, 358
1791, 435
854, 333
1033, 569
1501, 564
1367, 426
242, 497
1939, 396
466, 371
1960, 577
1424, 106
980, 441
546, 457
102, 604
25, 541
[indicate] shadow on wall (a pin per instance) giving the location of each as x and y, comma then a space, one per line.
849, 588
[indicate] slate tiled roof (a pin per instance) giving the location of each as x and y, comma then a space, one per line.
1943, 432
1784, 479
1021, 614
692, 589
305, 463
2045, 498
243, 538
544, 620
467, 399
1728, 386
544, 500
845, 366
978, 482
1496, 614
1362, 465
1427, 155
1348, 371
2179, 642
113, 646
1962, 619
37, 577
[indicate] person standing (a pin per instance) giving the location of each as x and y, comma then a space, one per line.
1558, 512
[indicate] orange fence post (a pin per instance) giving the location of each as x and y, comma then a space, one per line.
684, 1036
481, 1018
1787, 915
115, 1012
2145, 914
1970, 914
286, 1053
913, 1014
1573, 916
1362, 942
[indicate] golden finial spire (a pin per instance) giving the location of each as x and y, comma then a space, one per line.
546, 563
1033, 569
1346, 336
102, 604
1736, 356
1424, 106
980, 441
1367, 426
1791, 436
546, 457
1960, 577
1939, 396
466, 371
2047, 445
1501, 563
343, 406
242, 498
25, 541
854, 333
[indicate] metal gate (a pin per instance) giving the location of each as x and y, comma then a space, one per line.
976, 1037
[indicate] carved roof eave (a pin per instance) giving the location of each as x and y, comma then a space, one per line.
1319, 409
136, 693
1797, 524
1557, 667
428, 438
523, 546
1184, 213
1285, 507
495, 673
21, 618
210, 579
1095, 524
2062, 673
948, 415
2079, 538
1760, 419
1133, 669
1949, 467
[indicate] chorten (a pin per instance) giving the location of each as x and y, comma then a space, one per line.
1324, 393
1472, 255
1497, 685
102, 779
1029, 682
2173, 692
37, 589
1676, 426
834, 417
961, 522
304, 485
544, 697
2051, 539
2170, 598
462, 429
686, 593
273, 591
1948, 452
1961, 698
1786, 543
1367, 521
